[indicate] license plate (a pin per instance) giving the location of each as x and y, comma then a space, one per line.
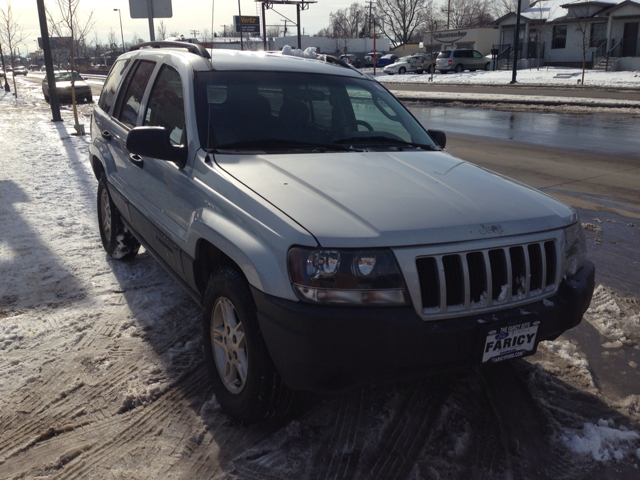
512, 341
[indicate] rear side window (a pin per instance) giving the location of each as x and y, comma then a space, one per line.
444, 54
166, 105
110, 88
136, 83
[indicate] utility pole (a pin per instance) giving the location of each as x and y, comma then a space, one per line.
48, 61
448, 13
370, 16
194, 33
240, 14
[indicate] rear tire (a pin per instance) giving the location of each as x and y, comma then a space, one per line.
459, 68
117, 241
244, 378
487, 66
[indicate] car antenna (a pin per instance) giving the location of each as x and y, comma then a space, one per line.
207, 158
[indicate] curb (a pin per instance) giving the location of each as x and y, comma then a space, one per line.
481, 99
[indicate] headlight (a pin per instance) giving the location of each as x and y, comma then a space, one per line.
575, 249
358, 277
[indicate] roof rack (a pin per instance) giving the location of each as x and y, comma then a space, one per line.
192, 47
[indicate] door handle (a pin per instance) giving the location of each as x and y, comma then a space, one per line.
106, 135
136, 159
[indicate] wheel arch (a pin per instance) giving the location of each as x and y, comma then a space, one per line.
207, 260
98, 168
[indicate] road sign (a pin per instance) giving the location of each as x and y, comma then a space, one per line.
57, 43
246, 24
161, 8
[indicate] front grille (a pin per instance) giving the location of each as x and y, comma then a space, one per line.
487, 279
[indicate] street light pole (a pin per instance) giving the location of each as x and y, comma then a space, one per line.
516, 41
121, 34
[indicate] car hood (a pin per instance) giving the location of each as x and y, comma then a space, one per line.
395, 198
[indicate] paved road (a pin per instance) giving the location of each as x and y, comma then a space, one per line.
548, 91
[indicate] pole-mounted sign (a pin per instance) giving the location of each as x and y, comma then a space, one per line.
150, 9
246, 24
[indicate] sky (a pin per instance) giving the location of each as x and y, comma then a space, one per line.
187, 15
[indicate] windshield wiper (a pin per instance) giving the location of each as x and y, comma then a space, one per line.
381, 140
275, 143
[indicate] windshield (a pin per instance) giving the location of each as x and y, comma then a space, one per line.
66, 76
404, 59
270, 111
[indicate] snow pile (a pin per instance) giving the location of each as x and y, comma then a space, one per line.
573, 357
309, 52
613, 318
602, 441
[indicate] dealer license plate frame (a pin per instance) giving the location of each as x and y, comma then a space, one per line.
519, 333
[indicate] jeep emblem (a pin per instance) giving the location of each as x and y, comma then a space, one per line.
491, 229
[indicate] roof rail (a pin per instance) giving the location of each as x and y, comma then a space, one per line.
192, 47
335, 61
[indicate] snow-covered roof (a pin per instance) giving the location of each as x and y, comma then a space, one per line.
551, 10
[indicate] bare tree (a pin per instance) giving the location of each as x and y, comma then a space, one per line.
273, 32
499, 8
539, 12
161, 31
75, 27
401, 19
348, 22
206, 35
467, 13
136, 39
112, 39
11, 35
582, 27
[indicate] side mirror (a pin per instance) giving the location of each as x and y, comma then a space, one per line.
437, 136
155, 142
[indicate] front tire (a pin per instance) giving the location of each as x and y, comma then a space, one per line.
117, 241
402, 70
244, 378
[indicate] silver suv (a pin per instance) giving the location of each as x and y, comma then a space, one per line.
330, 239
461, 59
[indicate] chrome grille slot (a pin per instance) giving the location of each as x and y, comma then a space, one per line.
487, 279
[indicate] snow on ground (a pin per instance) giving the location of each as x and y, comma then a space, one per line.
618, 324
551, 76
101, 373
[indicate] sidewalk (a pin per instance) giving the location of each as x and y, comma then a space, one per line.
553, 87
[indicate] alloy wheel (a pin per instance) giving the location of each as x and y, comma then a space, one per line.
229, 345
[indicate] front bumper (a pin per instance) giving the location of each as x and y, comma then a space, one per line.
329, 349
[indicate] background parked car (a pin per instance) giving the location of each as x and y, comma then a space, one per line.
368, 58
63, 87
461, 59
418, 63
351, 59
20, 71
387, 60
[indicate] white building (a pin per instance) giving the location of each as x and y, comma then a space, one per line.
556, 29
